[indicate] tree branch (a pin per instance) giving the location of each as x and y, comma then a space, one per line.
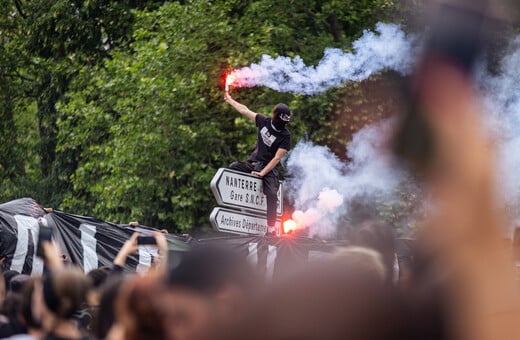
18, 5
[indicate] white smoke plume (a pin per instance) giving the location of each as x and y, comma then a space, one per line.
315, 169
327, 202
370, 173
388, 48
502, 100
318, 175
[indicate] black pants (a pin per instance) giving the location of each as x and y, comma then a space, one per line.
270, 186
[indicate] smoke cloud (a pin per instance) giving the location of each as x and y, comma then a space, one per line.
502, 100
371, 176
327, 202
387, 48
315, 168
324, 190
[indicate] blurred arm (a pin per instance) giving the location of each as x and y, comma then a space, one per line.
464, 233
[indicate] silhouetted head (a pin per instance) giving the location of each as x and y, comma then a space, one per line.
8, 276
208, 290
65, 291
141, 309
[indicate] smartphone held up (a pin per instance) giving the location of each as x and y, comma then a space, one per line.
146, 240
44, 234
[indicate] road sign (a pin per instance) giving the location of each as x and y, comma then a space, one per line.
237, 189
239, 222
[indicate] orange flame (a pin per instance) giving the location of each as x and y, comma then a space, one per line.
289, 226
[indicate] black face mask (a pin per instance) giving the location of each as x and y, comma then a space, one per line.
278, 123
280, 118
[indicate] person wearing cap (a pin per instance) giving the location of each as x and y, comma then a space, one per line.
273, 142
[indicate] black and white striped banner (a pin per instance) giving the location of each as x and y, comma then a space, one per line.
88, 242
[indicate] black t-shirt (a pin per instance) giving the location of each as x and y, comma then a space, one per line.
268, 140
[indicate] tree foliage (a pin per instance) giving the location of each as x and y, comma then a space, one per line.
45, 44
118, 105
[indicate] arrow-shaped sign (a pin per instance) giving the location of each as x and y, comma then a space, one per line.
238, 222
237, 189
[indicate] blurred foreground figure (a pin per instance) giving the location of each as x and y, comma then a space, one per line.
140, 310
133, 307
443, 138
64, 293
463, 236
340, 298
208, 291
378, 236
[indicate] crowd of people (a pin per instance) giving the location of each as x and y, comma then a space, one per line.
211, 293
215, 293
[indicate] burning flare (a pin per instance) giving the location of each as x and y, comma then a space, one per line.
230, 78
289, 226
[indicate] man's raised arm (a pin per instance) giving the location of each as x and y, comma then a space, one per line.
241, 108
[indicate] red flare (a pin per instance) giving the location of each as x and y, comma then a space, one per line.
229, 81
289, 226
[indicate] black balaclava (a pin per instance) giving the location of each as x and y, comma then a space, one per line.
281, 116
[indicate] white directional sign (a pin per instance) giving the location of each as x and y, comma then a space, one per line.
238, 222
237, 189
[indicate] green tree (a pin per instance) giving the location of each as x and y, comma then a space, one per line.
148, 129
114, 109
44, 43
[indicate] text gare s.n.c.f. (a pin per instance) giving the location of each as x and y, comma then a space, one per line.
254, 199
245, 190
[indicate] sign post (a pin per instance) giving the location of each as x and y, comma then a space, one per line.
243, 193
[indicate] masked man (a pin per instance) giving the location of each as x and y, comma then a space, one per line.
273, 142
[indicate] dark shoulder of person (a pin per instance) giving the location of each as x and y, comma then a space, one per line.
5, 329
284, 135
260, 119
